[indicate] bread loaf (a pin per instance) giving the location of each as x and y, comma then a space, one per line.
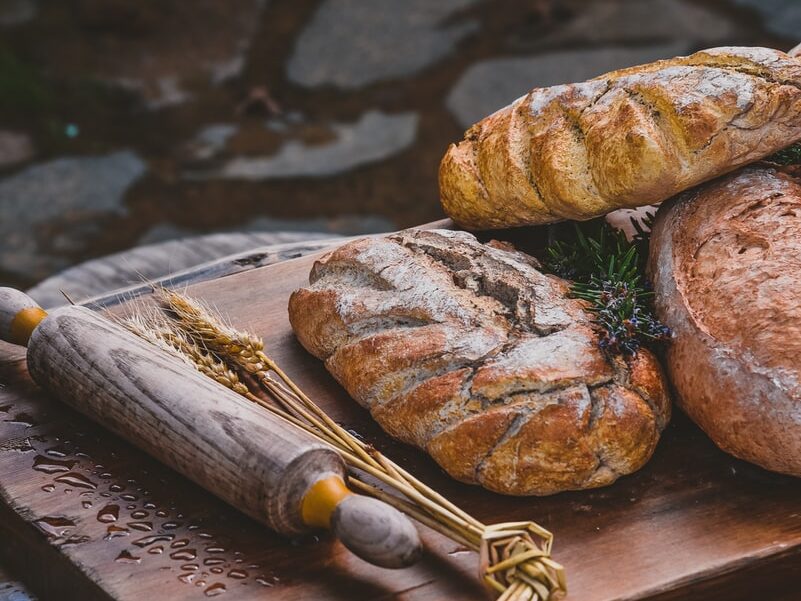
467, 351
725, 262
628, 138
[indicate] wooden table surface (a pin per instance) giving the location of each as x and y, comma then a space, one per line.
84, 515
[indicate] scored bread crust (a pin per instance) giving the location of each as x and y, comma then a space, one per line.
628, 138
469, 352
725, 261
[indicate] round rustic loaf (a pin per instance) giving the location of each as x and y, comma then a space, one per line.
725, 261
469, 352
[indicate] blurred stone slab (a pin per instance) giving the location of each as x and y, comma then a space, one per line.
645, 21
17, 12
283, 229
374, 137
782, 17
159, 50
353, 43
15, 147
11, 590
492, 84
71, 193
173, 258
14, 591
210, 141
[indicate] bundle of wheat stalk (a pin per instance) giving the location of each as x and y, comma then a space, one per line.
515, 557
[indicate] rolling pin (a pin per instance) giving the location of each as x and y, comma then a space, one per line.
252, 459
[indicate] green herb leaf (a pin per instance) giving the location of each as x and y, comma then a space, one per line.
608, 272
787, 156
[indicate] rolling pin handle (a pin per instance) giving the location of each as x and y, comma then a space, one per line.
369, 528
19, 316
376, 532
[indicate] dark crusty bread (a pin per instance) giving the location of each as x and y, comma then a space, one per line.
726, 266
467, 351
631, 137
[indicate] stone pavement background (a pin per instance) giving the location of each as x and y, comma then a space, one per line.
125, 123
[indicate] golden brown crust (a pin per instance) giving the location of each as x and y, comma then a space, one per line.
725, 260
559, 454
458, 457
627, 138
648, 379
469, 352
408, 417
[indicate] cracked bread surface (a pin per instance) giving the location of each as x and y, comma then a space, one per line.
628, 138
469, 352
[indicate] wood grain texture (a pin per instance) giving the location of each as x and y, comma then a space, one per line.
228, 445
693, 524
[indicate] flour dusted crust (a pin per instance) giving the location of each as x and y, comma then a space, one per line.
469, 352
628, 138
726, 266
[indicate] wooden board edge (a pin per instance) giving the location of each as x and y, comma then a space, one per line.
221, 268
749, 582
234, 264
22, 547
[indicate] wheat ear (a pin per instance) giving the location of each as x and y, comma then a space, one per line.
153, 327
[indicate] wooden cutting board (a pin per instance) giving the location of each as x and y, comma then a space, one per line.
84, 515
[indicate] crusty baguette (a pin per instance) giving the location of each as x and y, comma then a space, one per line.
725, 261
467, 351
628, 138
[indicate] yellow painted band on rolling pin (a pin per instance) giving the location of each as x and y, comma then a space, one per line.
321, 499
24, 323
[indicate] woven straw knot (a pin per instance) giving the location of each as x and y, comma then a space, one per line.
516, 562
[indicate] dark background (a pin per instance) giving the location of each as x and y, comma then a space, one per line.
127, 122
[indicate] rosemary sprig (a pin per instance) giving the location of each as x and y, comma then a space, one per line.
787, 156
607, 271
